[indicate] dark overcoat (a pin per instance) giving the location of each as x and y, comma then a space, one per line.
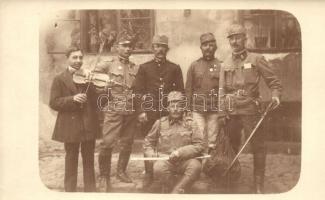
75, 122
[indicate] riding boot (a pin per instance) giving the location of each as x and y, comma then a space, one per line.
148, 176
259, 184
182, 185
259, 170
167, 183
104, 161
123, 161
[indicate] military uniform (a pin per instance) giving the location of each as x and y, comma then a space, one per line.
155, 78
152, 76
201, 88
119, 116
239, 80
182, 135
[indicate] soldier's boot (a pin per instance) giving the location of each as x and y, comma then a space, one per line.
148, 176
259, 169
182, 185
123, 161
259, 184
167, 183
104, 161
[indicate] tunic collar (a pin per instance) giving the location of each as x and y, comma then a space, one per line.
123, 60
240, 55
175, 121
158, 61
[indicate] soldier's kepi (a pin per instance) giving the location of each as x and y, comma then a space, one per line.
239, 90
119, 117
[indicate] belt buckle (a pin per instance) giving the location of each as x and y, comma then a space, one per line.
240, 92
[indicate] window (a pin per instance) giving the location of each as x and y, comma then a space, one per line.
271, 30
102, 28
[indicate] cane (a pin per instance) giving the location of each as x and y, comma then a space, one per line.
249, 138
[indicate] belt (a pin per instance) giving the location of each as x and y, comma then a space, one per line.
241, 92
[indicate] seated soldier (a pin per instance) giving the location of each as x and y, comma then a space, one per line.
182, 140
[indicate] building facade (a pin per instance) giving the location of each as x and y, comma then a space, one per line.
275, 34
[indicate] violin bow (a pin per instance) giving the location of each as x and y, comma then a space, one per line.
100, 50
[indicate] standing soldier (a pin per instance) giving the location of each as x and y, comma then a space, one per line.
119, 116
156, 78
179, 138
202, 85
239, 81
77, 124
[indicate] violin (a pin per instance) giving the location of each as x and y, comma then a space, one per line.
100, 80
96, 78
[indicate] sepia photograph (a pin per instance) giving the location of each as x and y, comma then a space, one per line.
181, 101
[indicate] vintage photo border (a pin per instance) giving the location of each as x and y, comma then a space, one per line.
19, 114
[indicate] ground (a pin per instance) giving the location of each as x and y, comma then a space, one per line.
282, 171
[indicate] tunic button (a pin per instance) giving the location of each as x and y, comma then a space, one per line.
211, 69
160, 79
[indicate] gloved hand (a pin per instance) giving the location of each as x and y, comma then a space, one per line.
275, 102
211, 147
142, 117
174, 156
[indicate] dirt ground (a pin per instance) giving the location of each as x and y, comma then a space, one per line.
282, 171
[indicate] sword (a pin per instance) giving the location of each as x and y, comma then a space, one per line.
248, 139
162, 158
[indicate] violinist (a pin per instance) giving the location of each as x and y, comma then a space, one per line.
77, 123
119, 117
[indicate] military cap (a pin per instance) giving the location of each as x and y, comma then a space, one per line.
175, 96
125, 39
160, 39
235, 29
207, 37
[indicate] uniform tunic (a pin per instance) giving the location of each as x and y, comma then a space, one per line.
119, 115
203, 81
239, 79
183, 136
150, 77
201, 88
169, 135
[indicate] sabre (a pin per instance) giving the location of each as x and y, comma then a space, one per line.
162, 158
248, 139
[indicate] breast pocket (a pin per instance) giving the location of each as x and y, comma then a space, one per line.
165, 135
214, 77
185, 136
198, 77
117, 75
250, 75
228, 79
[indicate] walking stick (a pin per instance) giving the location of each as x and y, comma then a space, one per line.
249, 138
